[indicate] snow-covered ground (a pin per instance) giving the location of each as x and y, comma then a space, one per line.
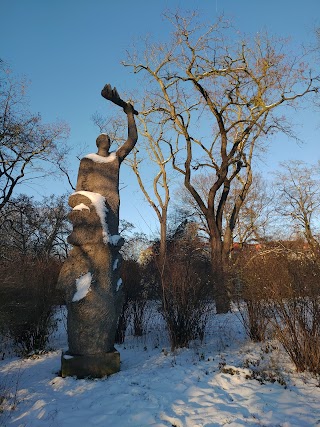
225, 381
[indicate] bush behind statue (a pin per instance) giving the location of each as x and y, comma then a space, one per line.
186, 292
28, 298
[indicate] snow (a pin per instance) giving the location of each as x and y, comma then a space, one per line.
119, 284
98, 202
114, 240
115, 264
81, 207
83, 284
101, 159
207, 385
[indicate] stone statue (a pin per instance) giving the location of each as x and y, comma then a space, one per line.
90, 276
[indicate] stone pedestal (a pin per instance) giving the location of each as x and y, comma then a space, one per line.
94, 366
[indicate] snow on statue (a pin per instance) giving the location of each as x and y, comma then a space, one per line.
90, 276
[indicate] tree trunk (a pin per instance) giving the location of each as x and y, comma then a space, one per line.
227, 245
163, 241
221, 294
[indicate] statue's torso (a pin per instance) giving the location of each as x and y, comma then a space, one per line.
103, 178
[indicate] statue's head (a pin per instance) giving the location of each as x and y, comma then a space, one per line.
103, 143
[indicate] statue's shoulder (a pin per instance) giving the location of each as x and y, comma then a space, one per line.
112, 157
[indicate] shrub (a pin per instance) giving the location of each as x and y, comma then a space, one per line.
186, 290
297, 326
296, 319
258, 274
123, 323
254, 317
135, 300
281, 289
28, 298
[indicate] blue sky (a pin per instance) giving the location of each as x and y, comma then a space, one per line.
70, 48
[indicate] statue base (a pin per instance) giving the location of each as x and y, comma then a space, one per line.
90, 366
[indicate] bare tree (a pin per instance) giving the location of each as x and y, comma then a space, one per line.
222, 97
158, 196
298, 187
34, 229
254, 219
52, 226
25, 142
16, 233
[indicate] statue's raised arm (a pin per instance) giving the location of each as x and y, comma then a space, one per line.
113, 96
